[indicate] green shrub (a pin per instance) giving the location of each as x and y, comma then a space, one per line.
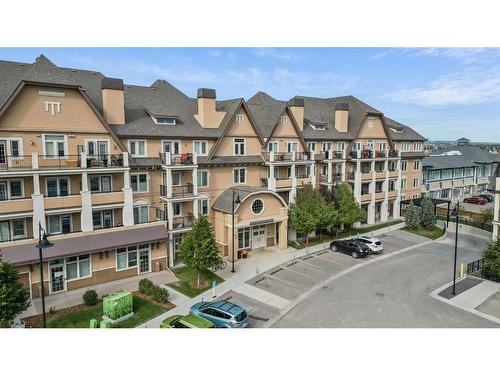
412, 216
93, 323
427, 216
159, 294
145, 286
90, 297
105, 324
491, 256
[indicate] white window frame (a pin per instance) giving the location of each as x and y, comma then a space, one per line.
9, 190
58, 179
130, 141
382, 146
416, 165
198, 179
200, 206
404, 165
163, 142
404, 183
311, 149
8, 142
405, 146
60, 223
417, 146
416, 182
180, 178
157, 122
139, 205
292, 146
99, 178
340, 146
77, 261
45, 156
200, 143
128, 249
284, 119
239, 179
263, 206
94, 141
239, 118
238, 145
271, 148
138, 184
101, 215
326, 146
179, 205
11, 225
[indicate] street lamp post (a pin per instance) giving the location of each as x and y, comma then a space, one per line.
43, 243
456, 250
233, 201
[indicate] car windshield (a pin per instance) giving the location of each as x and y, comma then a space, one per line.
241, 316
378, 243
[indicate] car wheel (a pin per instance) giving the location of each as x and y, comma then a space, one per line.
333, 248
355, 255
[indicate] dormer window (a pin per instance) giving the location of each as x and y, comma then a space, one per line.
319, 127
284, 119
240, 118
165, 120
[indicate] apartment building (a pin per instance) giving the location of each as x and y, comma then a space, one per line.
117, 173
458, 172
494, 188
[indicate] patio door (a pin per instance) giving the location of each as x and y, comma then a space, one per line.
258, 237
57, 280
144, 261
3, 155
3, 191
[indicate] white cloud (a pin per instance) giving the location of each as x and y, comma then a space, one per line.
469, 86
277, 53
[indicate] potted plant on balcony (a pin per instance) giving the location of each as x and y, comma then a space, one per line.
244, 254
379, 154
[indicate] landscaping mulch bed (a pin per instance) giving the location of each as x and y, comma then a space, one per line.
168, 305
35, 321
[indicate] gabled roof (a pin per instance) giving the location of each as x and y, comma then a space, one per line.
224, 200
470, 152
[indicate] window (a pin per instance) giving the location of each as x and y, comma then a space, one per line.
78, 267
3, 191
102, 219
415, 182
18, 228
200, 147
326, 146
177, 209
273, 147
434, 175
257, 206
239, 175
469, 172
139, 182
369, 144
95, 148
311, 146
392, 166
417, 146
405, 146
203, 207
100, 184
403, 183
165, 120
176, 178
58, 224
392, 185
174, 147
4, 231
55, 145
445, 193
15, 147
458, 172
240, 118
126, 257
357, 146
239, 146
202, 178
57, 186
16, 189
404, 165
292, 147
416, 165
284, 119
141, 214
289, 172
340, 146
446, 174
382, 146
137, 148
243, 238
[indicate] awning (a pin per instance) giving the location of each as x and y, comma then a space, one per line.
434, 186
468, 181
446, 185
483, 180
458, 183
85, 243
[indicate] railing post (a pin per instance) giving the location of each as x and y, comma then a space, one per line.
83, 163
168, 158
34, 160
125, 159
195, 158
271, 156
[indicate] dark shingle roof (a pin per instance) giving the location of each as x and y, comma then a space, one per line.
473, 153
447, 161
230, 160
223, 202
400, 132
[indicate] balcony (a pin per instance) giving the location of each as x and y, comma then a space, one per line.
65, 201
108, 197
182, 222
179, 191
180, 160
283, 182
370, 154
365, 196
303, 180
15, 163
393, 194
332, 155
16, 205
350, 175
288, 156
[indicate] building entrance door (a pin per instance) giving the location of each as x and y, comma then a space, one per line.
258, 237
3, 155
144, 263
57, 281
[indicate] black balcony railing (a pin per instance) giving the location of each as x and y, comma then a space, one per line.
178, 159
366, 154
353, 154
182, 222
337, 154
8, 162
104, 161
380, 154
178, 191
393, 153
306, 155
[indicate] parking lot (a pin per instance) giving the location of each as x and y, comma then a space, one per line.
268, 293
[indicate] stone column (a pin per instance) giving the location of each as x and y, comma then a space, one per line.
86, 214
38, 205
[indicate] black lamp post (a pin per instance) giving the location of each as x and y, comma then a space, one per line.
233, 201
43, 243
456, 249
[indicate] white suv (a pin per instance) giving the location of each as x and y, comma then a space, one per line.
373, 243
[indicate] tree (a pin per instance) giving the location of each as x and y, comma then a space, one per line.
198, 249
348, 210
303, 213
487, 215
427, 217
491, 255
14, 296
327, 216
412, 216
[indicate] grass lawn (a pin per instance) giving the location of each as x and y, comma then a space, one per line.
433, 234
143, 311
187, 278
346, 233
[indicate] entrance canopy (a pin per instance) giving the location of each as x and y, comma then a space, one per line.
241, 193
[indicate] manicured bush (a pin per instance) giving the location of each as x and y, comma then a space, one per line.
118, 304
159, 294
90, 297
427, 216
412, 216
105, 324
93, 323
491, 254
145, 286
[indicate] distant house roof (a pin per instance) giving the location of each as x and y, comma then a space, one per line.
447, 161
471, 152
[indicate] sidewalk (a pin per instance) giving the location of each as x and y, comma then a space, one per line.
259, 262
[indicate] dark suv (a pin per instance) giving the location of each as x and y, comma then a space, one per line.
352, 247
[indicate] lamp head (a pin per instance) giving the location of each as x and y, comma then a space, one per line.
44, 242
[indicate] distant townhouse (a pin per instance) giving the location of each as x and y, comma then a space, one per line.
458, 171
117, 173
494, 188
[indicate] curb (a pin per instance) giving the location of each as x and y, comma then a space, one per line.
303, 296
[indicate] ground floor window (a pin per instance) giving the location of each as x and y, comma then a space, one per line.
445, 193
78, 267
126, 257
243, 238
176, 243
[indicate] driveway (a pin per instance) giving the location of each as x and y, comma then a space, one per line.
393, 292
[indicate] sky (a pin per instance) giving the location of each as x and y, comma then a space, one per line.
443, 93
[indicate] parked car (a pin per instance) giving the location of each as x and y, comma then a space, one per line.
352, 247
373, 243
488, 197
187, 321
223, 314
475, 200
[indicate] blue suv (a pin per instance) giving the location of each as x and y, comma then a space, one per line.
223, 314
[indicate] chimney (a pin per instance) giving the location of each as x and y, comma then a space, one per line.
341, 117
207, 115
113, 100
297, 107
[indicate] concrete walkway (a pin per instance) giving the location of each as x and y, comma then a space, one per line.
471, 299
258, 262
